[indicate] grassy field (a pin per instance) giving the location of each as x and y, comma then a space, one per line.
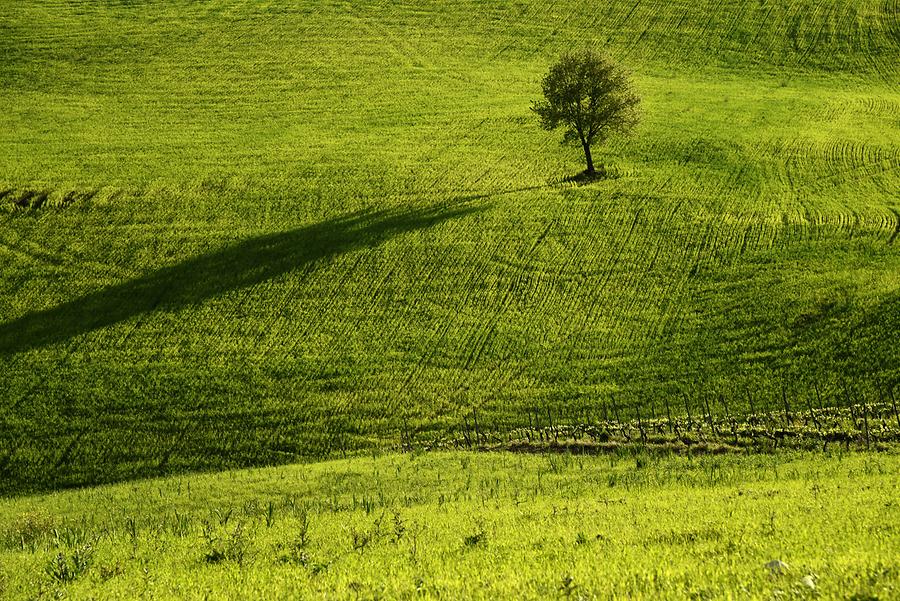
246, 232
479, 526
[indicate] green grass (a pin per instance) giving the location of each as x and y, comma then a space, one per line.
479, 526
271, 231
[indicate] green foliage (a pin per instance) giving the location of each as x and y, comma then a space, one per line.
28, 530
590, 97
223, 545
399, 527
478, 537
64, 568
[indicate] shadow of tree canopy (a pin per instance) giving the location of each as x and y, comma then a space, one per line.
238, 266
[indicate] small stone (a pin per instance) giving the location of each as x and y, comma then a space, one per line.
776, 566
809, 581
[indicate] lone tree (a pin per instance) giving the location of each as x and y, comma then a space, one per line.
591, 97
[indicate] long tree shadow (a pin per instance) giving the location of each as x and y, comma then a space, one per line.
243, 264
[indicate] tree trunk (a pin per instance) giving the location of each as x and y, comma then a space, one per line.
588, 158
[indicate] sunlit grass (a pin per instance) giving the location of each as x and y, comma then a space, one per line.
480, 526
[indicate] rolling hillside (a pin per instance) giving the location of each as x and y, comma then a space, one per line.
246, 232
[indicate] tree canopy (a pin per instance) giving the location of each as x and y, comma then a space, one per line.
590, 97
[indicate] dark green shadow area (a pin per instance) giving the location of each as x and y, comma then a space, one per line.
238, 266
763, 334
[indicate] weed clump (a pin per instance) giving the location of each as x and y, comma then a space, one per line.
233, 546
479, 537
64, 568
295, 552
27, 531
399, 527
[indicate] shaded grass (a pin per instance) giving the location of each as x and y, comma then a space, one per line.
245, 264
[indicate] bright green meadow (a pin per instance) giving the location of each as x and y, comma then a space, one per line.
252, 232
472, 526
